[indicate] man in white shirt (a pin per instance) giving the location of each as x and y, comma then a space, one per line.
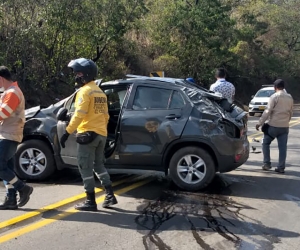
222, 86
278, 113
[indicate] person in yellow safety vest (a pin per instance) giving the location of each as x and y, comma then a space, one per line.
90, 119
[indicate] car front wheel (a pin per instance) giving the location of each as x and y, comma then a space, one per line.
34, 160
192, 168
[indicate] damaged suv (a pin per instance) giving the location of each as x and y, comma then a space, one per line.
161, 124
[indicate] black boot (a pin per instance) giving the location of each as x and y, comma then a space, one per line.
110, 198
90, 203
10, 203
24, 193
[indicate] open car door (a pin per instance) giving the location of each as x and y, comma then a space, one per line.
69, 153
115, 98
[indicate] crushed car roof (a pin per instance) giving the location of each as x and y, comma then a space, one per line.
154, 79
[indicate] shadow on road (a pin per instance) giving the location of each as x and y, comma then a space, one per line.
71, 176
201, 214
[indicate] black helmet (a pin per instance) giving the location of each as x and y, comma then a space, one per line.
86, 66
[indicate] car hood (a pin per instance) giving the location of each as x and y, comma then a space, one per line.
32, 112
39, 111
260, 99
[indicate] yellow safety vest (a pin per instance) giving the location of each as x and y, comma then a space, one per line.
91, 112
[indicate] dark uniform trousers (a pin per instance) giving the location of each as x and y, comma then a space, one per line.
91, 160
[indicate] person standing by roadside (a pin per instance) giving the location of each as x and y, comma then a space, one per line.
222, 86
12, 119
278, 113
90, 119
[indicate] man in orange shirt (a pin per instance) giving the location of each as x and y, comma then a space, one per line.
12, 119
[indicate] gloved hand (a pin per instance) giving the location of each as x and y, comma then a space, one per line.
64, 138
257, 126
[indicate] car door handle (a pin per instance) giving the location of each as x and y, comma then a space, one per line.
173, 116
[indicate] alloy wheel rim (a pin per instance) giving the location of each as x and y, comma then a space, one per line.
191, 169
33, 161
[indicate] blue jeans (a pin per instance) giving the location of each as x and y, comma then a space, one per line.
7, 161
281, 134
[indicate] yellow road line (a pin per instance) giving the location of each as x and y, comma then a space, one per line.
260, 134
62, 215
34, 213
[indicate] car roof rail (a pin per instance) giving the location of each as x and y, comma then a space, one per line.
137, 76
153, 78
267, 85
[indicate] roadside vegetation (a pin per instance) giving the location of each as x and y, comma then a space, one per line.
256, 41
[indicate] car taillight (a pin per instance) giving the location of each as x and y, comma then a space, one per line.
242, 132
237, 157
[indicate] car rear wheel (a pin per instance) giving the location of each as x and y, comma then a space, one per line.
34, 160
192, 168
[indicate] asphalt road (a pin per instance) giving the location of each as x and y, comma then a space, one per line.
244, 209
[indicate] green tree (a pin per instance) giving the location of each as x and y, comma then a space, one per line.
40, 37
198, 36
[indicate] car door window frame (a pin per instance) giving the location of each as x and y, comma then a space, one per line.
69, 102
172, 92
171, 98
122, 87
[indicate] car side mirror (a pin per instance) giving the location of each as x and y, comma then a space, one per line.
252, 96
62, 114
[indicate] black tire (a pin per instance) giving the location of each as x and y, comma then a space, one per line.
207, 168
251, 113
41, 168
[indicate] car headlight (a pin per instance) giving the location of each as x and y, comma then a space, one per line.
251, 103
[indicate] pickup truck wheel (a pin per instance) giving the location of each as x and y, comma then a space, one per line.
34, 160
192, 168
